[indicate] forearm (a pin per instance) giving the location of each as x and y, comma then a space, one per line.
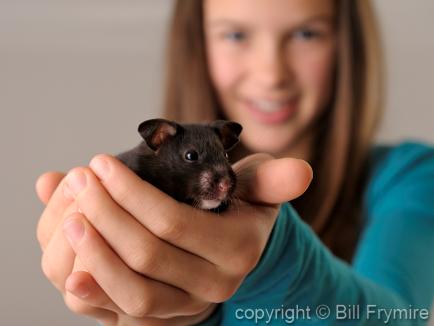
298, 271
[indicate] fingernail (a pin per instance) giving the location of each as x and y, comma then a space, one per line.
80, 290
100, 166
67, 191
76, 181
74, 229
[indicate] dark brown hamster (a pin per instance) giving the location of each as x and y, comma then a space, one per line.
187, 161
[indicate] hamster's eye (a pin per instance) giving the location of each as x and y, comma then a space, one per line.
191, 155
227, 156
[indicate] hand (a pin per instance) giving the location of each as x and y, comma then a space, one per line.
57, 264
216, 246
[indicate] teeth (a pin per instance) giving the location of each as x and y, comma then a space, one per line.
269, 106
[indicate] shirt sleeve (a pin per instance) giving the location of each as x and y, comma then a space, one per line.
391, 280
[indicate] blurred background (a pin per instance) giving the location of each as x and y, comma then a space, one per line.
76, 77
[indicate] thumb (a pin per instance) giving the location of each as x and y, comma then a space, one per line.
263, 179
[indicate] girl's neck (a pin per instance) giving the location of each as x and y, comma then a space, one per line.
302, 149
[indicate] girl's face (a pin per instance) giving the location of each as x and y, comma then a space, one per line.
272, 64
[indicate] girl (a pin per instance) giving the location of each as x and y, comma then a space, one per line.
304, 78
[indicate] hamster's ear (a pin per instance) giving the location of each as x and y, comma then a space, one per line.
156, 131
228, 132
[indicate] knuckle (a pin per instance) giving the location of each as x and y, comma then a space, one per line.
220, 291
145, 259
196, 307
170, 229
139, 307
224, 295
212, 292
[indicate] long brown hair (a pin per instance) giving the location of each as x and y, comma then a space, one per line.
332, 204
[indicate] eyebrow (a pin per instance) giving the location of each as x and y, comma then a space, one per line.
318, 18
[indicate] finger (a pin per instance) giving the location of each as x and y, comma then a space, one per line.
52, 214
173, 222
136, 295
46, 184
90, 299
262, 179
82, 285
176, 321
80, 307
58, 256
143, 251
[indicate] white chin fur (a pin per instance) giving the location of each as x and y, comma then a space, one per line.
209, 203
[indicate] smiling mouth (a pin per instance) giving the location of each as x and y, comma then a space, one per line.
271, 111
269, 105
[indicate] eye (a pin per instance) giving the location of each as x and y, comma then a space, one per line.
235, 36
227, 156
191, 155
306, 34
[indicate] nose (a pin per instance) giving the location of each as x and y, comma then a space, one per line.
224, 185
270, 67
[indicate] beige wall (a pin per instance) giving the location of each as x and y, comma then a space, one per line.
408, 28
77, 76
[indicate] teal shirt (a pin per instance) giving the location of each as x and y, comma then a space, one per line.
298, 280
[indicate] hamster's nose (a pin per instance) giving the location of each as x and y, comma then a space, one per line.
224, 185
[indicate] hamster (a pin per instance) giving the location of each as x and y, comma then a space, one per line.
189, 162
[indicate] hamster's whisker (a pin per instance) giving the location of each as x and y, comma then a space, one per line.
236, 200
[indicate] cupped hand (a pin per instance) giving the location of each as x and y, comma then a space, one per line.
149, 257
